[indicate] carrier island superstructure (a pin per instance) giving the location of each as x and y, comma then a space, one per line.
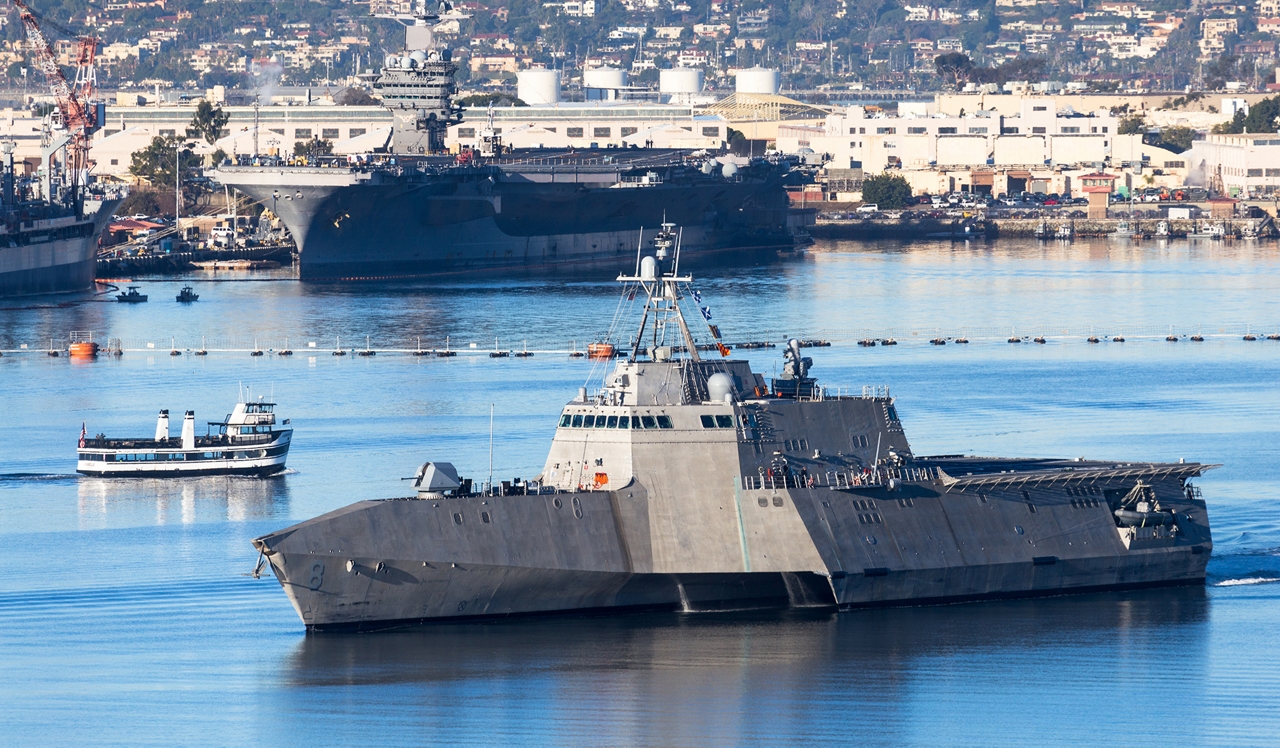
696, 484
404, 212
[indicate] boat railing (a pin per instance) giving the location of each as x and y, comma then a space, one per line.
837, 479
102, 442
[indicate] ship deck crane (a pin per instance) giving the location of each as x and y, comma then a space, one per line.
77, 119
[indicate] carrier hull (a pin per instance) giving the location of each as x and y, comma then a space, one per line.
355, 225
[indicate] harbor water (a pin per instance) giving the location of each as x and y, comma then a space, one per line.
128, 615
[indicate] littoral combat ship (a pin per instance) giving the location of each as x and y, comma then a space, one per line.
695, 484
410, 211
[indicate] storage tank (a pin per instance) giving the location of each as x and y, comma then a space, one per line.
679, 80
758, 81
604, 78
538, 86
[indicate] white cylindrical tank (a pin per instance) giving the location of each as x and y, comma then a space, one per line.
758, 81
680, 80
604, 78
538, 86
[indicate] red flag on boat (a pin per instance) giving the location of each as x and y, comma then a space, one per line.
83, 433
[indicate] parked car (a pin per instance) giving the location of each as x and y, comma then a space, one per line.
868, 208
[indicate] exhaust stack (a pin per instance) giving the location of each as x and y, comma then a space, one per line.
189, 430
162, 426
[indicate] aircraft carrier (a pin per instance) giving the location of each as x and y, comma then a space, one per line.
404, 212
691, 484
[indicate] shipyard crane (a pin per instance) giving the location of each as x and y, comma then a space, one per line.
77, 119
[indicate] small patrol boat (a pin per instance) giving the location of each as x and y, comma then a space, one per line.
248, 441
690, 483
187, 295
131, 296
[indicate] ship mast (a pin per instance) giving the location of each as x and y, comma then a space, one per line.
658, 276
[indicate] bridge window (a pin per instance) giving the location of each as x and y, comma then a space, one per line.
612, 423
577, 421
623, 421
708, 422
588, 422
664, 422
724, 422
649, 422
600, 422
565, 419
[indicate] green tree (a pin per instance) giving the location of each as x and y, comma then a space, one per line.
1177, 138
313, 147
156, 163
953, 66
1234, 126
889, 191
207, 122
1132, 125
1263, 116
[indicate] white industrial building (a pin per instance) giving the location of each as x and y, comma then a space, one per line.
593, 125
1038, 149
1236, 165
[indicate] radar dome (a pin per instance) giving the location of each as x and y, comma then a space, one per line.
418, 56
720, 387
730, 170
648, 268
708, 167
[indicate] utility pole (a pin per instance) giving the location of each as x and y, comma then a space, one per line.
177, 183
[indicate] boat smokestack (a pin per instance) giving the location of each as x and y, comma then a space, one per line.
162, 426
189, 430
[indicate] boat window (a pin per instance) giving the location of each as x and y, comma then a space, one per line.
565, 419
613, 422
624, 422
708, 422
664, 422
577, 421
635, 422
724, 422
648, 422
600, 422
588, 422
893, 413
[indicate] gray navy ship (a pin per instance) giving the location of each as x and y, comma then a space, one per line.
48, 232
408, 213
685, 483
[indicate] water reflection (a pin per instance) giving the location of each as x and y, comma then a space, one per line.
765, 676
181, 500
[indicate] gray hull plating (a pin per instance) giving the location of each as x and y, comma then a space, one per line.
706, 528
350, 225
60, 265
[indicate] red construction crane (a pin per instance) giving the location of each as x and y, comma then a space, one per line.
73, 102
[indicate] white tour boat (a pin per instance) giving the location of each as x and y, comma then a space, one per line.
246, 442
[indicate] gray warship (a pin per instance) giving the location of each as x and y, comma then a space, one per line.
688, 483
411, 212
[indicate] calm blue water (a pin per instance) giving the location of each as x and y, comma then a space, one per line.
126, 616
